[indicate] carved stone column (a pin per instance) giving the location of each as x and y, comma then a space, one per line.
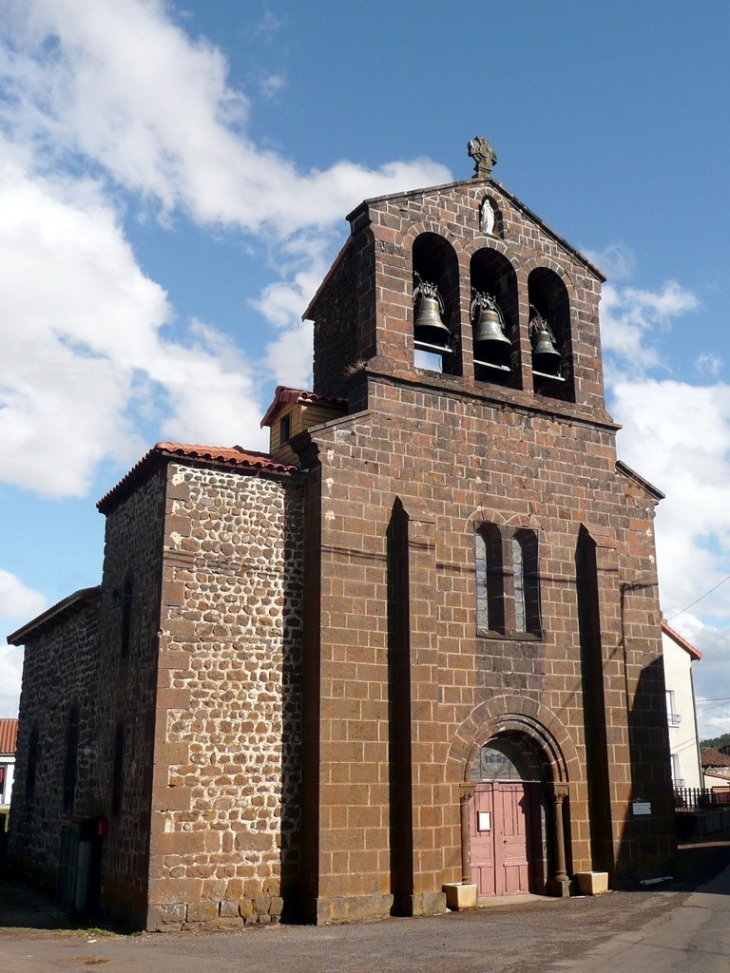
466, 795
463, 895
559, 883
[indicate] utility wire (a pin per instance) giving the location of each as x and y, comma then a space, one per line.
719, 583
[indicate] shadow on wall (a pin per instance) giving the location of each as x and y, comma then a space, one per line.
291, 704
648, 841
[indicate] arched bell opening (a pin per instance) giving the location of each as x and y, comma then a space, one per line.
494, 316
436, 307
550, 335
516, 829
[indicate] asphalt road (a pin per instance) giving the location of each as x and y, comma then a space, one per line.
634, 932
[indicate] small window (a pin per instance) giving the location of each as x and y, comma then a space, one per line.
507, 582
118, 771
284, 430
71, 760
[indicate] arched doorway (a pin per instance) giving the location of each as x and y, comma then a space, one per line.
508, 829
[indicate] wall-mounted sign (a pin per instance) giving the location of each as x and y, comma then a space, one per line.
485, 821
642, 807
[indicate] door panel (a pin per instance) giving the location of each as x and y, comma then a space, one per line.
499, 853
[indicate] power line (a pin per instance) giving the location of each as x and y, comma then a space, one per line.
697, 600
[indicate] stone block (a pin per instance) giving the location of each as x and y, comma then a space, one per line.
202, 911
592, 883
460, 896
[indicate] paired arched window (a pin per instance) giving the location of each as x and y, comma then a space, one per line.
507, 582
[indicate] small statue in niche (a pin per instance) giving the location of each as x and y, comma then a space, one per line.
486, 216
484, 156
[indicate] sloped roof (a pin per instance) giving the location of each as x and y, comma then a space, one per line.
694, 653
285, 396
710, 757
245, 461
517, 203
8, 736
631, 474
63, 609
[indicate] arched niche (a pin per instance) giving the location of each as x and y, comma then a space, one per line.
550, 306
436, 265
493, 276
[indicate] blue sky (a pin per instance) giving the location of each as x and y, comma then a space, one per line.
174, 179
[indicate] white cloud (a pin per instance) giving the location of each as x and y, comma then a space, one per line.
103, 96
17, 600
660, 439
617, 261
632, 317
709, 365
132, 91
11, 674
80, 327
18, 603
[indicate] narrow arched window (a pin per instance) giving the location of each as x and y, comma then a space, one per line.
127, 601
71, 759
118, 770
507, 582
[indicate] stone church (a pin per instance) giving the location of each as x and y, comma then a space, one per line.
408, 659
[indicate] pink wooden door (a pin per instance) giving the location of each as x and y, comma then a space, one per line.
499, 839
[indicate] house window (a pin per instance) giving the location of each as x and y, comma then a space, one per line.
69, 765
507, 582
284, 430
673, 717
118, 770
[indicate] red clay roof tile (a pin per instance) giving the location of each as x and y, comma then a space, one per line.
232, 456
8, 736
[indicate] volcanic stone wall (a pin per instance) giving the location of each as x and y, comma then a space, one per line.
225, 840
401, 490
78, 660
60, 667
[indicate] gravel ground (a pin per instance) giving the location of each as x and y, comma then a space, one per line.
518, 937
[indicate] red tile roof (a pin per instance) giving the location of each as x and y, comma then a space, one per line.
8, 735
710, 757
219, 456
285, 396
683, 643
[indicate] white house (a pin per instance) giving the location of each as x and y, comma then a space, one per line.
684, 748
8, 737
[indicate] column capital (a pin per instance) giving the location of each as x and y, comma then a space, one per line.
558, 791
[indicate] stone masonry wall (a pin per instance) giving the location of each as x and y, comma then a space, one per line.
225, 840
60, 667
455, 451
454, 466
127, 690
79, 660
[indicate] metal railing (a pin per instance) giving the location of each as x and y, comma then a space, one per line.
700, 798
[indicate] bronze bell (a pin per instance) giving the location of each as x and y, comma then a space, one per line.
545, 356
429, 327
490, 341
